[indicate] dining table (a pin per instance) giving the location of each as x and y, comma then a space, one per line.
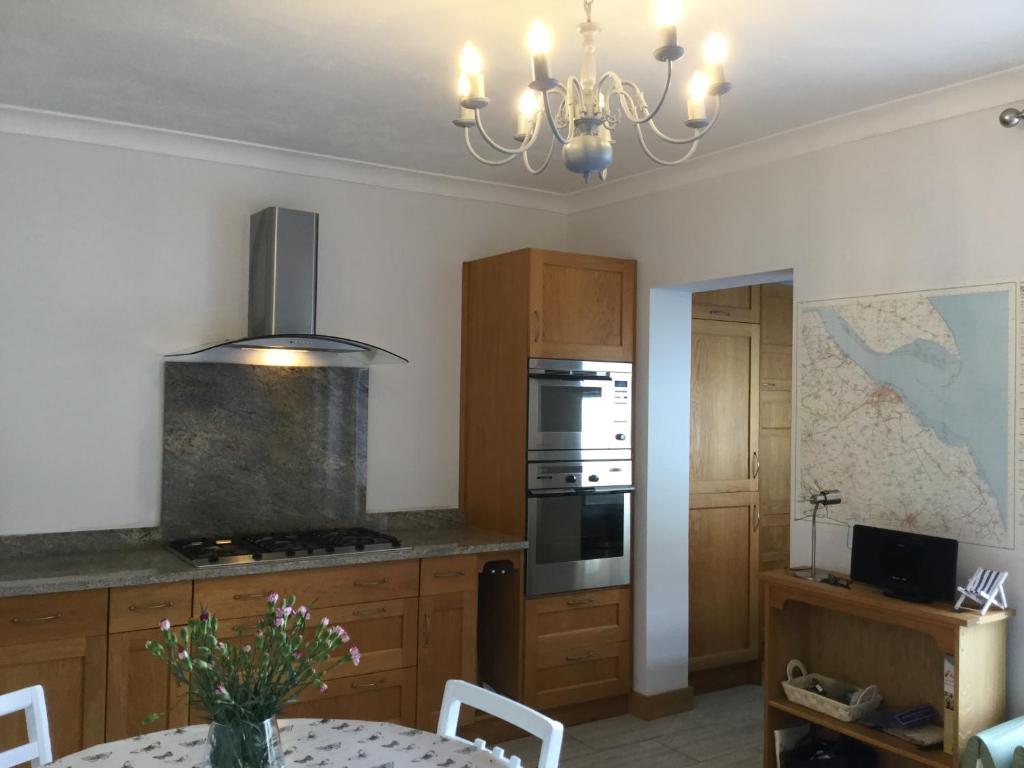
306, 742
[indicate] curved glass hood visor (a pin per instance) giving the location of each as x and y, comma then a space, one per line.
282, 303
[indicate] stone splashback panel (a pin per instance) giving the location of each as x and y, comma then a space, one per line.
250, 449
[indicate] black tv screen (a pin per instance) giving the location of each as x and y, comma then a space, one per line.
910, 566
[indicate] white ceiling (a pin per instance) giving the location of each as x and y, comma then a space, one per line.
374, 81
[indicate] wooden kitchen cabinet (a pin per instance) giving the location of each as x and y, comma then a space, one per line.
742, 305
59, 642
447, 636
139, 685
581, 307
388, 697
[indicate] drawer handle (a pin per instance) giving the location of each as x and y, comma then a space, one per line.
371, 684
582, 657
377, 583
369, 611
35, 619
723, 312
251, 596
449, 574
576, 601
154, 607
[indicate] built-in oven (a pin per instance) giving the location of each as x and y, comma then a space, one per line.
577, 406
578, 525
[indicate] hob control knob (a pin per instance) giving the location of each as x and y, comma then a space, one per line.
620, 436
570, 478
593, 478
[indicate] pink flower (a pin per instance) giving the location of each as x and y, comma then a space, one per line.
204, 616
183, 654
323, 687
324, 621
355, 654
259, 633
247, 648
273, 597
278, 622
220, 690
165, 625
149, 643
302, 611
287, 610
341, 633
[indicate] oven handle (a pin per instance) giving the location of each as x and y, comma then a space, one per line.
572, 376
541, 492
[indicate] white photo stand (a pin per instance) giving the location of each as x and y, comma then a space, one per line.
985, 589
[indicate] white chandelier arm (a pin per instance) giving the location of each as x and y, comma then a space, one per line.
658, 160
481, 158
697, 134
504, 150
619, 86
551, 122
628, 105
537, 171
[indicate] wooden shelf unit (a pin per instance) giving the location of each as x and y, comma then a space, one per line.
861, 636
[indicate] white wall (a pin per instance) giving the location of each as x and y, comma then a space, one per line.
928, 207
110, 258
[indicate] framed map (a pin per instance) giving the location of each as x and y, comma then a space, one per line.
906, 402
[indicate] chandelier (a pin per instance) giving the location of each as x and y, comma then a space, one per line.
586, 110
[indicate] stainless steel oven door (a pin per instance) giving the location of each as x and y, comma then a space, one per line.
577, 541
576, 405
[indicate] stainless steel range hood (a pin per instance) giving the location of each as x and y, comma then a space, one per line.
282, 303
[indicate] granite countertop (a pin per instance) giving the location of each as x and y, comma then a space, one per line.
40, 573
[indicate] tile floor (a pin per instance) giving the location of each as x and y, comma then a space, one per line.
723, 731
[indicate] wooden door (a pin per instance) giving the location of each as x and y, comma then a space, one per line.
724, 405
139, 685
447, 651
72, 672
735, 304
723, 579
581, 307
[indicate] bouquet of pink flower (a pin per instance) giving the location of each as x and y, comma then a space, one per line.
247, 683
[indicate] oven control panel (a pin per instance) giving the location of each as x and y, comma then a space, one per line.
566, 475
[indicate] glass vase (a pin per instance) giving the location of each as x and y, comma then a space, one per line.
245, 745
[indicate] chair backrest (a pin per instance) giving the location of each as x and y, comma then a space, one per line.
459, 692
33, 703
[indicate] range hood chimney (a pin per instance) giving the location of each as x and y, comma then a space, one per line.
283, 247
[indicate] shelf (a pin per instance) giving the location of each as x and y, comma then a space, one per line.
870, 736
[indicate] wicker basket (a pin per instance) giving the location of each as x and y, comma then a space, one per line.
798, 690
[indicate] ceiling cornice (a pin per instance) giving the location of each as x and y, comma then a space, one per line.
950, 101
943, 103
110, 133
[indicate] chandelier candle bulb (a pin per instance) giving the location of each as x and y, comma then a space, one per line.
667, 16
472, 69
528, 108
716, 51
697, 91
467, 117
538, 41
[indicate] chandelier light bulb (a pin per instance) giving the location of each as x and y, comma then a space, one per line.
538, 39
697, 90
668, 13
471, 61
716, 49
699, 86
462, 89
529, 102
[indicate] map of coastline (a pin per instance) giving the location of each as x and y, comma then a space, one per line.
905, 403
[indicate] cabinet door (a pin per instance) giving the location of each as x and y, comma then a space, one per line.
740, 305
723, 579
724, 407
386, 697
72, 672
581, 307
139, 685
447, 651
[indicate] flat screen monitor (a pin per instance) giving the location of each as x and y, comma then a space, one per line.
909, 566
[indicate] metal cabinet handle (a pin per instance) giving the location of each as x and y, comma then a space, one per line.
154, 607
449, 574
582, 657
371, 684
369, 611
377, 583
756, 463
723, 312
35, 619
579, 601
757, 516
250, 596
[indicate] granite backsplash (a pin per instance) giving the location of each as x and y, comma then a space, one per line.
249, 449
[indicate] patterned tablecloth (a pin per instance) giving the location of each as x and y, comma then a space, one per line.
308, 743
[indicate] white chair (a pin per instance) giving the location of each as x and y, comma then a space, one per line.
984, 589
459, 692
33, 703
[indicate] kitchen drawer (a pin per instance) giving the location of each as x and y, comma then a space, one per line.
388, 697
321, 587
444, 575
133, 608
385, 633
570, 673
34, 618
601, 615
